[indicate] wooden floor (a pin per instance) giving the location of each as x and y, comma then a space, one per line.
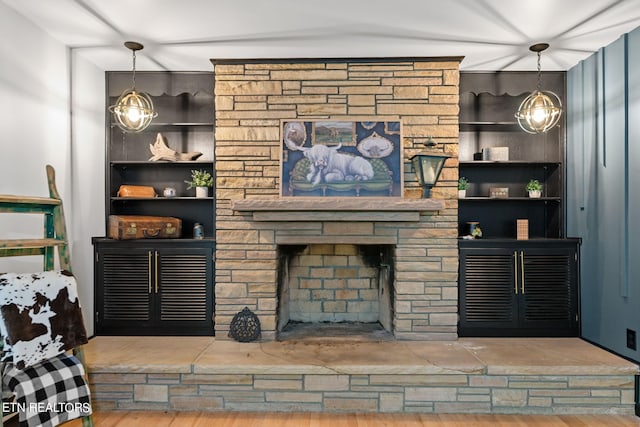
241, 419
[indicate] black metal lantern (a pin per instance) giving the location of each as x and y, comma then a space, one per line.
245, 326
428, 165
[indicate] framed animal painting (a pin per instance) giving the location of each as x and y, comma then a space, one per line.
327, 158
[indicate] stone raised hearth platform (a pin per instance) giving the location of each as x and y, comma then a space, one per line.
480, 375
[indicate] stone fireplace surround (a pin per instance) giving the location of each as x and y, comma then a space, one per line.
253, 222
348, 221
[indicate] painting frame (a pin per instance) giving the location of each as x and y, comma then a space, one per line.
341, 158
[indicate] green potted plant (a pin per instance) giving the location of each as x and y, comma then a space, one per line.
534, 188
463, 184
201, 180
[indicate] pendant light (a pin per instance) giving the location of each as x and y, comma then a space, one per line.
541, 110
133, 111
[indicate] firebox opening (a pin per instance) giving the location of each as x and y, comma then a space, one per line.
335, 290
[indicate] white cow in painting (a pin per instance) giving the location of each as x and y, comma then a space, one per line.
328, 165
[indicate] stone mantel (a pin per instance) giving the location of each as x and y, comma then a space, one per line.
338, 204
338, 209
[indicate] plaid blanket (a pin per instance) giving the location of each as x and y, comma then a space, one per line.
50, 392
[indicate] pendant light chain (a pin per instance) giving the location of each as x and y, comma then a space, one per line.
539, 70
134, 69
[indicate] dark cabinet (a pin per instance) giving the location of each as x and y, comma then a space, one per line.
158, 287
519, 288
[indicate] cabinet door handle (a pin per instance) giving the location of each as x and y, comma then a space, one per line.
149, 270
515, 272
156, 272
522, 270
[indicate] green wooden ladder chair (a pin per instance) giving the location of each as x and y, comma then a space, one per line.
54, 236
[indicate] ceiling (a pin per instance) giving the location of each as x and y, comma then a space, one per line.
182, 35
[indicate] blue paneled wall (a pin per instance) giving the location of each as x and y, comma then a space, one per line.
603, 189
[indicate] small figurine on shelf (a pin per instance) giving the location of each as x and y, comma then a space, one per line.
463, 184
473, 231
198, 231
201, 180
534, 188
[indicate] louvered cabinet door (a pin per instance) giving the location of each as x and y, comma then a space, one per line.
487, 299
154, 287
123, 290
185, 289
549, 298
511, 288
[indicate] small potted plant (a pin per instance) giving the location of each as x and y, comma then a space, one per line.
200, 180
463, 184
534, 188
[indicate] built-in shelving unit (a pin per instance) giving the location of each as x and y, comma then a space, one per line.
184, 102
159, 286
512, 287
488, 102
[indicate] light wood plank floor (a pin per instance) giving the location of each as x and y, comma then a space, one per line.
240, 419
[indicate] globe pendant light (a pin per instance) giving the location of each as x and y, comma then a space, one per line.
133, 111
541, 110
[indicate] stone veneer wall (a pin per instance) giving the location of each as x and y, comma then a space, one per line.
475, 392
252, 97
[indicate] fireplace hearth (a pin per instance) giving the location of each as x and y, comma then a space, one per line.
334, 331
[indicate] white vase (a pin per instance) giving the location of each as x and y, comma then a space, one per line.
534, 194
462, 194
202, 192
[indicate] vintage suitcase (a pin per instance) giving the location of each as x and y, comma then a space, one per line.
123, 227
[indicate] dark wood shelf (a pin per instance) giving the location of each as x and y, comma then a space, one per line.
510, 199
146, 163
507, 163
503, 240
177, 124
158, 124
154, 242
467, 126
157, 199
489, 123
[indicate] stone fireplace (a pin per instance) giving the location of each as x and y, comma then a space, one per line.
391, 261
327, 284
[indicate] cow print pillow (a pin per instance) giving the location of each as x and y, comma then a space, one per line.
40, 316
